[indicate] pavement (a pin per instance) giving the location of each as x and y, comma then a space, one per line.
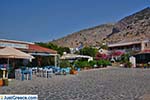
97, 84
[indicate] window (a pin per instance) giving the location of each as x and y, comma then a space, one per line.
146, 44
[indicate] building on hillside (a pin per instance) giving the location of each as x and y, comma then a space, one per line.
29, 47
142, 49
130, 46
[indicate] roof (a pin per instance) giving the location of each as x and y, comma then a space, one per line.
9, 52
127, 43
123, 44
43, 54
36, 48
16, 41
74, 56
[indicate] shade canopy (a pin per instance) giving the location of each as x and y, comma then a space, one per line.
74, 56
9, 52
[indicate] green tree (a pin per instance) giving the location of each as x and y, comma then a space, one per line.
42, 44
48, 45
88, 51
52, 46
63, 49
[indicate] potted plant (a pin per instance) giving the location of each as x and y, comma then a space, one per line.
1, 82
145, 65
73, 71
5, 82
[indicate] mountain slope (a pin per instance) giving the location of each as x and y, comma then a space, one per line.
90, 37
131, 28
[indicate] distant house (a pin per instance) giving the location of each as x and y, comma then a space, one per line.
142, 49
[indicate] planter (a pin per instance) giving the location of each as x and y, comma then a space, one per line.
1, 82
5, 82
73, 72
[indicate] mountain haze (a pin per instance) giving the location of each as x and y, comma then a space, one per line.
131, 28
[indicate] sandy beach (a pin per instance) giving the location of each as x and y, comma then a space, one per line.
99, 84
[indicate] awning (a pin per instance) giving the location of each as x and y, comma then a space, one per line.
9, 52
42, 54
74, 56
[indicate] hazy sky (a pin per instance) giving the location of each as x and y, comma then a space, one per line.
45, 20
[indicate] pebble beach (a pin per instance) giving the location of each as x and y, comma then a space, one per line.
95, 84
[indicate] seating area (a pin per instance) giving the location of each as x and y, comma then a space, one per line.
23, 74
45, 72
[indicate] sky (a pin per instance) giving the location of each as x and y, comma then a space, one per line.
47, 20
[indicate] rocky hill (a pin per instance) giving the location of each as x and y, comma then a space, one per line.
131, 28
91, 36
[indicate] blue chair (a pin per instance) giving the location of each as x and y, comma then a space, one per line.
47, 72
65, 70
57, 70
78, 69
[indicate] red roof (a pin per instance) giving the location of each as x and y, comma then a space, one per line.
36, 48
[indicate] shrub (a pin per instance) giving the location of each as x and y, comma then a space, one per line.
82, 64
65, 64
100, 63
85, 64
92, 63
106, 63
103, 63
